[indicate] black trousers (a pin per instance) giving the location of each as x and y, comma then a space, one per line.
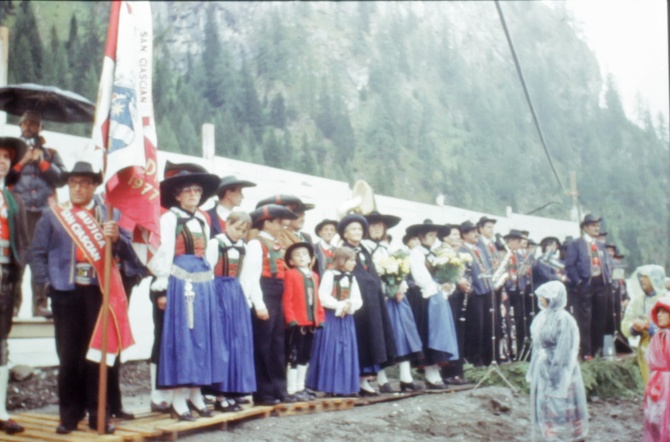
455, 368
478, 331
594, 316
75, 314
39, 296
299, 341
519, 304
269, 347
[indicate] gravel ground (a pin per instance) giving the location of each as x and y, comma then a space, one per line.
486, 414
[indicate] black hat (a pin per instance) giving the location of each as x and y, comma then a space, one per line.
269, 211
297, 245
525, 234
484, 219
589, 219
619, 255
351, 218
82, 168
388, 220
406, 237
446, 229
423, 228
292, 202
549, 239
230, 182
17, 147
531, 242
172, 169
513, 234
602, 233
466, 226
323, 223
208, 182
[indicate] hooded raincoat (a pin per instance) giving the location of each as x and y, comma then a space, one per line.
640, 308
558, 399
657, 394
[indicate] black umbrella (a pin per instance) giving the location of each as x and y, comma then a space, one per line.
52, 103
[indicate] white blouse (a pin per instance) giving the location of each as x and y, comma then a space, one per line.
327, 299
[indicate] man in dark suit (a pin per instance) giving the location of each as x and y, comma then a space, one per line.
230, 196
589, 279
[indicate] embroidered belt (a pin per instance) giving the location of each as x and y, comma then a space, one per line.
84, 274
182, 274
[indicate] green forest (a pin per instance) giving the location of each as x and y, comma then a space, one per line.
418, 102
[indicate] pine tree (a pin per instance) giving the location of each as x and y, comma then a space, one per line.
25, 47
278, 111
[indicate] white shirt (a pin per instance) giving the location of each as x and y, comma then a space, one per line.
420, 273
327, 299
250, 278
161, 263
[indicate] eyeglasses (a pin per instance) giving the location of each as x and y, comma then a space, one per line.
79, 182
192, 189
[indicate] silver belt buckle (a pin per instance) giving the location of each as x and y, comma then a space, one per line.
84, 274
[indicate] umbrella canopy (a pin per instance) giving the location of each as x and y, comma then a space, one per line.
52, 103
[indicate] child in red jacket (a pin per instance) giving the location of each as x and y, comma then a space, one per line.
303, 314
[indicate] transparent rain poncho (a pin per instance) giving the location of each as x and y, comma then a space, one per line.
640, 307
657, 394
558, 399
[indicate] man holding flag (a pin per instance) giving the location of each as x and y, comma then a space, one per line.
68, 256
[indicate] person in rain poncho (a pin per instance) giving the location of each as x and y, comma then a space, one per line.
657, 395
648, 286
558, 399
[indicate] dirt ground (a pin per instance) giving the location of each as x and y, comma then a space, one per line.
486, 414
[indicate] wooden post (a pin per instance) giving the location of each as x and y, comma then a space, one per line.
208, 142
575, 212
4, 65
104, 311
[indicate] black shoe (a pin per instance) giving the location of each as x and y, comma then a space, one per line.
122, 414
454, 380
109, 428
440, 386
203, 412
289, 399
10, 426
411, 386
303, 396
386, 388
43, 312
242, 401
266, 401
65, 429
187, 417
366, 393
311, 394
163, 407
231, 407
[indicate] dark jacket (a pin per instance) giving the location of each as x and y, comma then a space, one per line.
35, 182
52, 252
578, 262
480, 286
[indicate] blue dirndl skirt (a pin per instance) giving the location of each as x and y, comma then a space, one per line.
407, 340
441, 329
334, 365
235, 317
197, 356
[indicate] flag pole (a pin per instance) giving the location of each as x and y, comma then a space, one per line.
104, 309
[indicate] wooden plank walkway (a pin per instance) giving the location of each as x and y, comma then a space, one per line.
160, 426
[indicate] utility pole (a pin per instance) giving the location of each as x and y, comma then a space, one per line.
208, 141
575, 212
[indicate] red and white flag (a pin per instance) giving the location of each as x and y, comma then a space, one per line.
124, 121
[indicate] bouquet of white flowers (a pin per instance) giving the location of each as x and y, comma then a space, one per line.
393, 270
449, 265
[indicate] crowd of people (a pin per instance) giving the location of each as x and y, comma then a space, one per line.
251, 305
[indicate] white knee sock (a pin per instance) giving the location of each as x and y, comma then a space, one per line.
381, 377
291, 380
365, 385
405, 372
195, 396
433, 374
4, 381
179, 400
300, 378
158, 396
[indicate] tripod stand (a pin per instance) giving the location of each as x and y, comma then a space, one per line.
493, 367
